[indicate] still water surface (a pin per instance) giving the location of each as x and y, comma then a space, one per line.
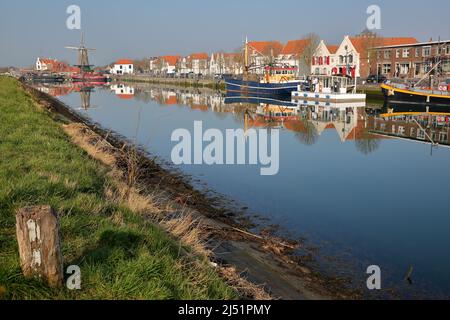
364, 199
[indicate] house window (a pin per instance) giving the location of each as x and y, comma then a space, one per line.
447, 51
404, 68
350, 58
387, 54
405, 53
426, 51
387, 68
417, 52
341, 59
121, 67
397, 53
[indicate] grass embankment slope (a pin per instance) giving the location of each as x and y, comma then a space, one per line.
121, 255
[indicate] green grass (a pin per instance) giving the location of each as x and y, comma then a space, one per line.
121, 255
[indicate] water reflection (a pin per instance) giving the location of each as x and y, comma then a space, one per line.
307, 119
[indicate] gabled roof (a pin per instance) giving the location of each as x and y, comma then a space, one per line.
295, 46
265, 47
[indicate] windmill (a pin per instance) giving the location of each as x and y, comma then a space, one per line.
83, 57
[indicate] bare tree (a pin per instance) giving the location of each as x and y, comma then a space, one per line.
306, 56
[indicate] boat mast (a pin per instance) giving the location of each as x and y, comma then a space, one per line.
246, 60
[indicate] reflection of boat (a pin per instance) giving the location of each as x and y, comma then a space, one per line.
404, 94
237, 97
43, 78
424, 124
90, 77
394, 108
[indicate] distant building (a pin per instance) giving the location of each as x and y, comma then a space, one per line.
226, 63
123, 66
196, 63
411, 60
294, 54
54, 66
168, 64
263, 52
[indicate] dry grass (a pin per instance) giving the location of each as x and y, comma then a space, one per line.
187, 226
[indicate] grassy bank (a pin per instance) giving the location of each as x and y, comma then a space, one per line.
121, 255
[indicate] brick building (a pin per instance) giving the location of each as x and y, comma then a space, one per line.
411, 61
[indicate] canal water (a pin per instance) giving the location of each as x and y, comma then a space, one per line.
359, 188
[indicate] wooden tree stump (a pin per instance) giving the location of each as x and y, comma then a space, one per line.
39, 245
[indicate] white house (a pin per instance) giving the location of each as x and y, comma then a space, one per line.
293, 54
123, 66
348, 57
324, 60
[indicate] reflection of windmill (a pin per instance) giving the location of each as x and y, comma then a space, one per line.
85, 94
83, 57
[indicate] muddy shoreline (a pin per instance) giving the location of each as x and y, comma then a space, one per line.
263, 259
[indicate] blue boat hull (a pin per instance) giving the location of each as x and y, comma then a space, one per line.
257, 88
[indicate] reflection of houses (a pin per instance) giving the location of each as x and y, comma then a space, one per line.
414, 127
349, 123
57, 90
122, 91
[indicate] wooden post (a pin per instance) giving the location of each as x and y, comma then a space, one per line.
39, 246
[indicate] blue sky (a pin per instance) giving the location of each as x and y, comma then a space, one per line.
143, 28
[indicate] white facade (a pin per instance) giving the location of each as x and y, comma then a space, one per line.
323, 61
123, 67
348, 58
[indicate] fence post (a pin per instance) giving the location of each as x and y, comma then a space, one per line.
39, 244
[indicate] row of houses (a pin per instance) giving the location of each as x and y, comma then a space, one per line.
358, 56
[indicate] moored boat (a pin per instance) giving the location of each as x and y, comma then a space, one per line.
329, 90
276, 80
405, 94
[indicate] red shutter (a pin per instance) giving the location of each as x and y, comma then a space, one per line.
328, 60
314, 61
